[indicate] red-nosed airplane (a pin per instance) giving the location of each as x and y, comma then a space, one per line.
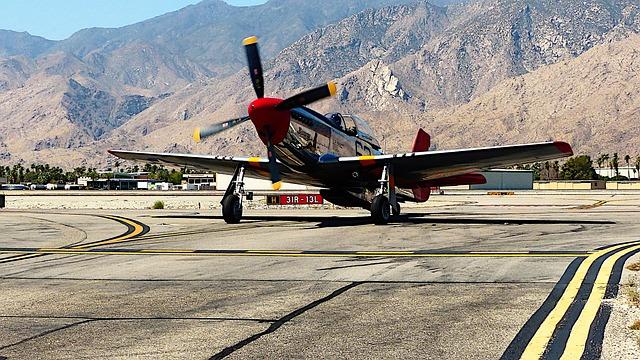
338, 153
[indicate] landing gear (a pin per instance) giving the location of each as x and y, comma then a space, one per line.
396, 210
385, 201
232, 200
380, 210
231, 209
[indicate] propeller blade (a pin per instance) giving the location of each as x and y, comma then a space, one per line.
309, 96
255, 66
276, 182
199, 133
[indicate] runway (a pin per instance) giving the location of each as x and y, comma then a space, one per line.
475, 276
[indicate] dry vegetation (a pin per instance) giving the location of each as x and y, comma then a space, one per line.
630, 290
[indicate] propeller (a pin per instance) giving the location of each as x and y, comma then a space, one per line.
199, 133
308, 97
255, 65
270, 116
276, 182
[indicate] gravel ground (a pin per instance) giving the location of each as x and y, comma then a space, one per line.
621, 342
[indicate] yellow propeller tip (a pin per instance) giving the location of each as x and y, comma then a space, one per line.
277, 185
196, 135
332, 88
250, 40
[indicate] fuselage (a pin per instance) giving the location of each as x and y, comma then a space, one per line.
312, 137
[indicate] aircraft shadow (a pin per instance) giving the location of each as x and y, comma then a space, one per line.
410, 218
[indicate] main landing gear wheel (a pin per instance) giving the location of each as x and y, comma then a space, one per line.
231, 209
395, 210
380, 210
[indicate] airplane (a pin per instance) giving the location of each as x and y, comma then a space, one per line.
339, 154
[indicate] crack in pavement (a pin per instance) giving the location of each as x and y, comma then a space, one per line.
283, 320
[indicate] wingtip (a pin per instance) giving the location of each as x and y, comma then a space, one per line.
250, 40
564, 147
196, 135
277, 185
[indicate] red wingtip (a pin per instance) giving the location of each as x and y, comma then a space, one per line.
564, 147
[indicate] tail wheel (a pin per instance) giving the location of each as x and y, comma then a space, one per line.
380, 210
231, 209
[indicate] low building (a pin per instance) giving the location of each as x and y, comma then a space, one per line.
623, 185
252, 184
199, 181
500, 179
629, 171
570, 185
506, 179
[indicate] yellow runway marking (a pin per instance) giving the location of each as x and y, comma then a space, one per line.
536, 347
591, 206
281, 253
138, 229
580, 330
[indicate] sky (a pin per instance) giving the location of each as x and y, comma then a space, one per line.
58, 19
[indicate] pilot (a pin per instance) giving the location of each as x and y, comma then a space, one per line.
335, 119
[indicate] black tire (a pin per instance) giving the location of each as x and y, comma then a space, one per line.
231, 209
380, 210
395, 210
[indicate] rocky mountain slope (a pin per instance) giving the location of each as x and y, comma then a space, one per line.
99, 78
529, 70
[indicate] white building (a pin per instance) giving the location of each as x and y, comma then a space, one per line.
500, 179
252, 184
628, 171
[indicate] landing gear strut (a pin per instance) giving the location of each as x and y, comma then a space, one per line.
385, 201
232, 200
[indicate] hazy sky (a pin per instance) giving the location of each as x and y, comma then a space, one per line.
57, 19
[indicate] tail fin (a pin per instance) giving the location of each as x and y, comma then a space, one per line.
422, 141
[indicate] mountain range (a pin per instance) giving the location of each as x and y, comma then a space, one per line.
472, 74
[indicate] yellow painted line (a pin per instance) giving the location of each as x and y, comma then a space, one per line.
385, 252
591, 206
275, 251
137, 231
281, 253
168, 251
580, 330
536, 347
254, 160
16, 258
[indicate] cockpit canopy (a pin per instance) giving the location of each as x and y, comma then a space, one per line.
352, 125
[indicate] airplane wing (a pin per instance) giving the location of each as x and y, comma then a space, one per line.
411, 168
256, 167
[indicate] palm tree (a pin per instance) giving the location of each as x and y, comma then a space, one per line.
602, 159
605, 160
547, 166
627, 159
615, 163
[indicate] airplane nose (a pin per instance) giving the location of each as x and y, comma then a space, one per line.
271, 124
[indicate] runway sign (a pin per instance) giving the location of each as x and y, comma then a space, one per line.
295, 199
